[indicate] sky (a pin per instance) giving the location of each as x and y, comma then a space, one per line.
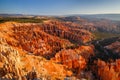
59, 7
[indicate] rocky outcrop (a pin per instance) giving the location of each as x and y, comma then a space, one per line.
75, 59
109, 71
86, 51
44, 51
11, 62
114, 47
43, 39
30, 37
64, 30
14, 65
70, 59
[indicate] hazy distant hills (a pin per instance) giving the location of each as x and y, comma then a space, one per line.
88, 16
10, 15
104, 16
93, 23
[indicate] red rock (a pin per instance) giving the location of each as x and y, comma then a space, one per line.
64, 30
109, 71
71, 59
23, 67
115, 47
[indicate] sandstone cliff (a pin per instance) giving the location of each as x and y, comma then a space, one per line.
25, 48
15, 65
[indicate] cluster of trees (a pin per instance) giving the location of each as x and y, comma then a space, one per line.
21, 20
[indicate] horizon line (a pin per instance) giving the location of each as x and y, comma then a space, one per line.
56, 14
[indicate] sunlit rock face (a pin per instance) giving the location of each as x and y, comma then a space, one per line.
30, 37
109, 71
70, 59
15, 65
43, 51
64, 30
85, 51
11, 61
75, 59
44, 39
38, 42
